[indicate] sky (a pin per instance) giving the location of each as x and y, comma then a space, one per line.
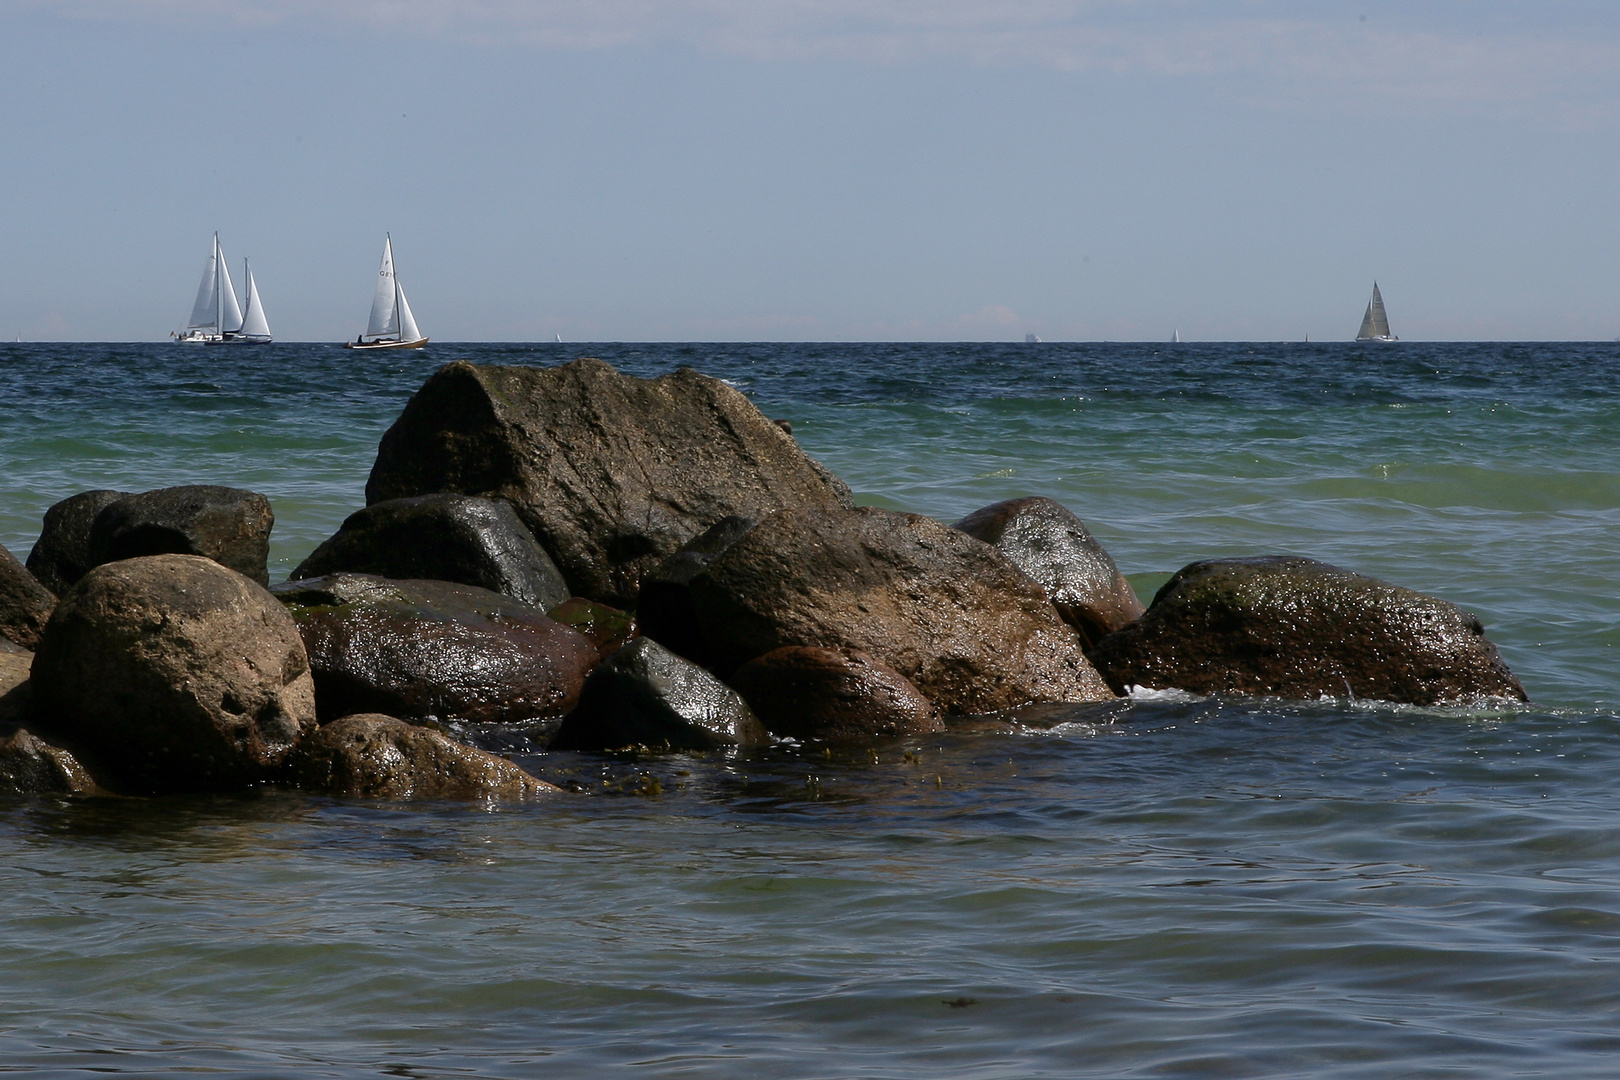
817, 170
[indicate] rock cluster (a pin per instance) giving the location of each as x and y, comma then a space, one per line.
606, 562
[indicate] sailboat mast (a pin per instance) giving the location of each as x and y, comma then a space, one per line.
219, 297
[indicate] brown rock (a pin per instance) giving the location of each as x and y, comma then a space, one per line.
228, 525
16, 695
431, 649
608, 628
61, 555
833, 695
25, 604
1047, 542
171, 672
1281, 626
946, 611
370, 756
610, 472
31, 766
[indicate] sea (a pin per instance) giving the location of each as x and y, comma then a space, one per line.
1165, 886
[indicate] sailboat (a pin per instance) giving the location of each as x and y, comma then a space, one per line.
216, 317
1375, 324
392, 326
255, 329
1175, 337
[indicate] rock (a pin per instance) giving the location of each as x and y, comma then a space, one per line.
61, 555
664, 610
432, 649
227, 525
16, 693
1047, 542
948, 612
370, 756
25, 604
833, 695
610, 472
31, 766
443, 537
170, 673
1288, 627
607, 628
645, 695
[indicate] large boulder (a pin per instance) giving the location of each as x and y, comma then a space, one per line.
227, 525
950, 613
1281, 626
442, 537
610, 472
61, 555
30, 765
645, 695
1046, 541
833, 695
432, 649
664, 610
170, 673
370, 756
25, 604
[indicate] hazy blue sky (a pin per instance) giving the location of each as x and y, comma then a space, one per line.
817, 169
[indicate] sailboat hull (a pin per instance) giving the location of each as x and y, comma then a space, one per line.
417, 344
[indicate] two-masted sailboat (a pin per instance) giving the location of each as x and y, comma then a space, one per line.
392, 326
216, 317
1375, 324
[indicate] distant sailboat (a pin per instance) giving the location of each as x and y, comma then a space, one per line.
255, 329
216, 317
1031, 339
1375, 324
392, 326
1175, 337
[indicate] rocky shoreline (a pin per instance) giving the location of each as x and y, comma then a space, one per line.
591, 561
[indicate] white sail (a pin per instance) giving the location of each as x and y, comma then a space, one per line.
230, 312
205, 312
384, 320
407, 321
1375, 323
254, 323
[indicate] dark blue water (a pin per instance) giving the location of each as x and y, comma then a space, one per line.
1157, 887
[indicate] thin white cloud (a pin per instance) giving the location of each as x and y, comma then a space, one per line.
1563, 58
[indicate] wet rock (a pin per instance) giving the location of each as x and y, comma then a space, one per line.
645, 695
948, 612
610, 472
61, 555
31, 766
607, 628
25, 604
1047, 542
227, 525
421, 649
170, 673
1281, 626
664, 610
16, 693
443, 537
833, 695
370, 756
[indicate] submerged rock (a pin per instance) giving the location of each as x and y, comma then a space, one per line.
228, 525
443, 537
25, 604
948, 612
1280, 626
370, 756
421, 649
1047, 542
61, 555
30, 765
645, 695
610, 472
833, 695
170, 673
